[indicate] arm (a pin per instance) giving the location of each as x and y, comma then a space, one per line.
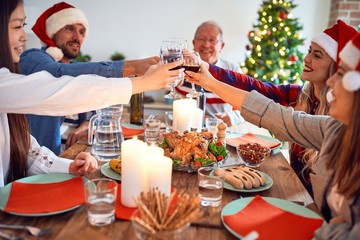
285, 124
37, 95
35, 60
283, 94
42, 160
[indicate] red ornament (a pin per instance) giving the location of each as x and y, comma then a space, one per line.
283, 15
268, 32
293, 58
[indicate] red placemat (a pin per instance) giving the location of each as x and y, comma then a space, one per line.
271, 222
34, 198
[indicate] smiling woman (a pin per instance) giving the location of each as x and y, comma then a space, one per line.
41, 93
334, 177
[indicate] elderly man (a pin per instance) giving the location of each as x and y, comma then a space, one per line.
209, 41
62, 29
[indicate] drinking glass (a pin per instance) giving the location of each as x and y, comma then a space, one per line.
192, 62
210, 186
152, 131
169, 116
171, 51
211, 124
100, 195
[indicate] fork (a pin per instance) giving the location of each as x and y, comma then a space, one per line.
33, 230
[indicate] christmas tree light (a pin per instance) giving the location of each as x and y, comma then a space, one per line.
273, 54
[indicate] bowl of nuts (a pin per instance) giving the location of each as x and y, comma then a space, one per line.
252, 154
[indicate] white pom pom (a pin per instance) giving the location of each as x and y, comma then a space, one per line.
55, 52
351, 81
329, 96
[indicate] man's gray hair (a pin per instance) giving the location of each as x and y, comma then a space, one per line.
210, 22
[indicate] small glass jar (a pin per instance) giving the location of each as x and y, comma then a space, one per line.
143, 233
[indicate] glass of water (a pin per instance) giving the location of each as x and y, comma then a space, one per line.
211, 124
169, 116
152, 131
100, 195
210, 186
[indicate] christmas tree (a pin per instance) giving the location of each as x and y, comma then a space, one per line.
273, 54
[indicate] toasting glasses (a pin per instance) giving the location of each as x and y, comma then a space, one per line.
171, 51
192, 62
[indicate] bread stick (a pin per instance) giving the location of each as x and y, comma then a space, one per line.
231, 179
244, 178
256, 173
253, 177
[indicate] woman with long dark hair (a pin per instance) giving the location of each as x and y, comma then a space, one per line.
20, 154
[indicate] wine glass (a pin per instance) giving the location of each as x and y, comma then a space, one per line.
171, 51
192, 62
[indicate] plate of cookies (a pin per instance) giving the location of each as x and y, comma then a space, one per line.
244, 179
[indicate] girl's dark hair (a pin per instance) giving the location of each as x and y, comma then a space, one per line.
19, 130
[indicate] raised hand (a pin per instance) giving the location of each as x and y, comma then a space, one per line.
139, 67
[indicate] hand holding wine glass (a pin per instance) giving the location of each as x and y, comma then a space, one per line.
171, 51
192, 62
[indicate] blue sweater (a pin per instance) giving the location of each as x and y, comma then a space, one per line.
46, 129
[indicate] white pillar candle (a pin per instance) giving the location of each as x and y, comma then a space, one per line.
197, 120
183, 110
159, 174
133, 172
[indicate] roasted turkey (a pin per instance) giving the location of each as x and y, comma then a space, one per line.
189, 146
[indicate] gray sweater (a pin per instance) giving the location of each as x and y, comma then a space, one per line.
311, 131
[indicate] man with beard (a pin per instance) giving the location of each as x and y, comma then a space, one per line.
62, 29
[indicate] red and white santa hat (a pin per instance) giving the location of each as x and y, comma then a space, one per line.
52, 20
333, 39
350, 56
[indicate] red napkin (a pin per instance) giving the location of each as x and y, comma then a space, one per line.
121, 211
271, 222
35, 198
251, 138
125, 213
130, 132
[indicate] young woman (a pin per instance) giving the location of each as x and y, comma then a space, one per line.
20, 154
335, 176
319, 64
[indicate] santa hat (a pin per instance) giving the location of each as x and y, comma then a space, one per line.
350, 56
52, 20
333, 39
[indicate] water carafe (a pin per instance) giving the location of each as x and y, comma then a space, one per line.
105, 133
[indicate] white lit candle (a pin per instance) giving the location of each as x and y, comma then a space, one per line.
133, 171
197, 120
183, 110
159, 174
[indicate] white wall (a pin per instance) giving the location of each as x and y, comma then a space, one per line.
136, 27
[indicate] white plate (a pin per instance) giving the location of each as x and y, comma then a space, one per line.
269, 183
266, 138
41, 178
107, 171
236, 205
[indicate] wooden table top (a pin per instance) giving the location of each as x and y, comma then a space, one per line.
74, 224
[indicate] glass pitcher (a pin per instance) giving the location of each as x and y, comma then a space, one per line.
105, 133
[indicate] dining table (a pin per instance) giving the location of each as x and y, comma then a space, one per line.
74, 223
